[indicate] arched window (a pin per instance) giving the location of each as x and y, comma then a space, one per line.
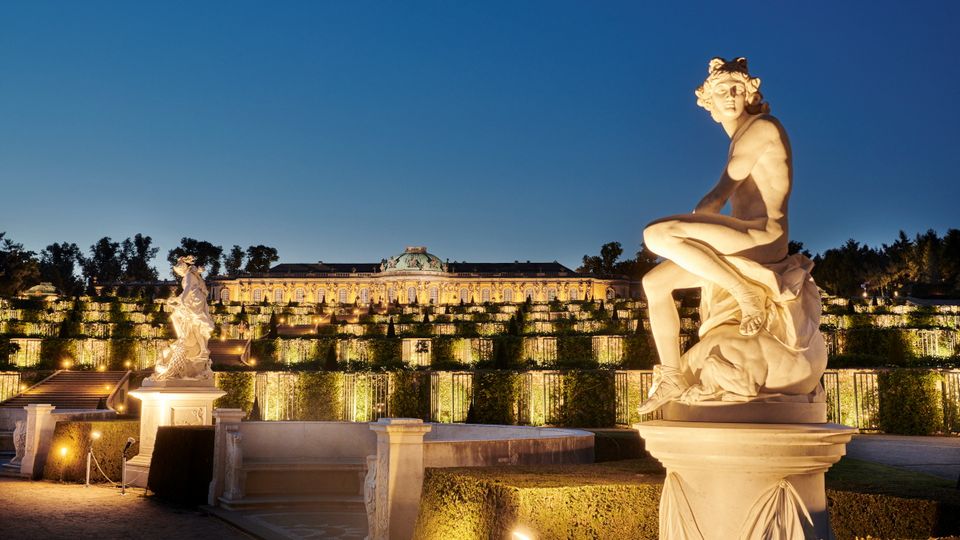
551, 294
321, 295
434, 295
342, 296
257, 295
391, 295
574, 295
529, 295
611, 294
278, 295
298, 295
464, 295
364, 296
508, 295
411, 295
484, 295
225, 295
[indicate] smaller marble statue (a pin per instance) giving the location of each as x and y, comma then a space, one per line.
19, 442
188, 358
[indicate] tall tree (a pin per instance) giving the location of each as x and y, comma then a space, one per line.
136, 255
18, 267
105, 263
260, 257
207, 255
233, 261
59, 264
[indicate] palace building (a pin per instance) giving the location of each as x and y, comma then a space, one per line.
417, 277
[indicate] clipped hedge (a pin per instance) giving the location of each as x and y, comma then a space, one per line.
909, 402
182, 464
495, 397
410, 396
239, 386
76, 438
320, 395
621, 500
589, 399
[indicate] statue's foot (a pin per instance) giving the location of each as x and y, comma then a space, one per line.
753, 304
668, 385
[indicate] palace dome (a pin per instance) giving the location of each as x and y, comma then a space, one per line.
413, 259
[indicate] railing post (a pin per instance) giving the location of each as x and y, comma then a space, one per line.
227, 421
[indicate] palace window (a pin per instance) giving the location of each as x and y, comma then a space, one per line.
225, 295
342, 296
298, 295
257, 295
321, 294
508, 295
551, 294
465, 295
411, 295
278, 295
611, 294
574, 295
434, 295
364, 296
528, 295
391, 295
484, 295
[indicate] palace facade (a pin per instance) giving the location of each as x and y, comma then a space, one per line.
417, 277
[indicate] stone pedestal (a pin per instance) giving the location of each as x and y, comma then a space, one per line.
39, 427
398, 482
743, 481
176, 403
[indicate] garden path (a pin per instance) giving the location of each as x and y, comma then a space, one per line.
44, 510
939, 456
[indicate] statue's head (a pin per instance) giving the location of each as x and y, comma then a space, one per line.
729, 90
183, 265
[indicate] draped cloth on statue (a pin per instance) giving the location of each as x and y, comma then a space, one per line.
786, 357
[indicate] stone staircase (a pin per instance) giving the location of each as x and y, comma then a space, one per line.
230, 352
334, 484
72, 390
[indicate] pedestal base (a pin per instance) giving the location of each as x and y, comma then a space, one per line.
168, 405
737, 480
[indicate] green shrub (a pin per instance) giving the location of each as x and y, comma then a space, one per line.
386, 352
621, 500
410, 396
495, 397
264, 351
638, 353
182, 464
53, 351
589, 399
575, 351
76, 438
239, 386
507, 352
121, 350
320, 395
887, 343
909, 403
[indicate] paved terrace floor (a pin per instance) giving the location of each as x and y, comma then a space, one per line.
939, 456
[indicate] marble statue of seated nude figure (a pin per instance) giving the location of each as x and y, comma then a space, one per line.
756, 336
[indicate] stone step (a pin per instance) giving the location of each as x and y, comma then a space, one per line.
317, 502
305, 464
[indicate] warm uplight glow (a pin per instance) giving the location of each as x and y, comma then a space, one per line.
101, 368
160, 369
517, 535
66, 364
23, 387
253, 361
127, 364
63, 451
95, 435
106, 387
120, 408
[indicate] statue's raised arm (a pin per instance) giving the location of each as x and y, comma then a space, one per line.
760, 310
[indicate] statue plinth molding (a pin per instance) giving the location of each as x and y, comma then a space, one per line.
743, 480
172, 403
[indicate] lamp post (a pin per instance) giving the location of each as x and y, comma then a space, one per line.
123, 463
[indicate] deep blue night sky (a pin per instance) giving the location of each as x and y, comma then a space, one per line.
488, 131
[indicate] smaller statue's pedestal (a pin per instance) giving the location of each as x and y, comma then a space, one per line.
168, 403
729, 480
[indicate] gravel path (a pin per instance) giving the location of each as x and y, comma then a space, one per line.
939, 456
48, 510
